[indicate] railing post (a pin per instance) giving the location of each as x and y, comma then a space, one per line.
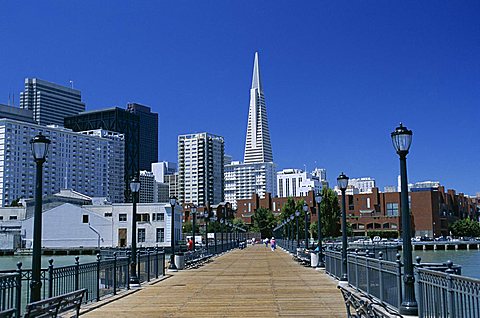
450, 300
156, 262
148, 265
367, 271
138, 267
114, 273
18, 296
380, 273
129, 257
399, 280
98, 277
50, 278
418, 286
356, 268
77, 272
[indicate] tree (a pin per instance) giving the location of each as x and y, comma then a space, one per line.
264, 221
330, 213
465, 227
187, 227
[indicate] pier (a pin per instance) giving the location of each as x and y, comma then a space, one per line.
253, 282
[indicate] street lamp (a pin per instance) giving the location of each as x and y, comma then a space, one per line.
205, 217
402, 139
193, 212
292, 230
214, 219
134, 188
318, 199
305, 210
342, 182
39, 145
172, 267
297, 214
221, 232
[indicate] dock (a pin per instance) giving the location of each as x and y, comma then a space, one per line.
253, 282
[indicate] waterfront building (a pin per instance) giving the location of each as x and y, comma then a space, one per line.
15, 113
117, 120
49, 102
148, 187
295, 182
200, 168
82, 162
148, 134
364, 185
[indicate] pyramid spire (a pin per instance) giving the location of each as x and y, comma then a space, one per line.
258, 148
256, 83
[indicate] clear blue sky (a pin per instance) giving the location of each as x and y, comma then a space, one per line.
338, 76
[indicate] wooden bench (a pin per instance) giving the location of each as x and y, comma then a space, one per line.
7, 313
52, 307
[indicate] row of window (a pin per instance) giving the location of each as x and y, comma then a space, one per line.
159, 235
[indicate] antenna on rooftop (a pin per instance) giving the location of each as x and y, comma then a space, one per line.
71, 84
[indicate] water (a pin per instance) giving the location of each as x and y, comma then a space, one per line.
10, 262
468, 259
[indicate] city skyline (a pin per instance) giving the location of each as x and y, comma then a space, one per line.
339, 78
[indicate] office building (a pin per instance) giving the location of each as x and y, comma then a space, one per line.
172, 181
148, 134
82, 162
200, 168
258, 147
16, 113
364, 185
162, 169
295, 182
148, 187
49, 102
117, 120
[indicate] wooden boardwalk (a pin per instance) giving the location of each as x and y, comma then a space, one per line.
253, 282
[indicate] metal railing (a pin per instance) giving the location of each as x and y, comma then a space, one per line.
101, 278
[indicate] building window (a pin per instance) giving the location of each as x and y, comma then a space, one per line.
160, 235
368, 203
1, 217
392, 209
141, 236
13, 217
159, 217
122, 217
107, 214
85, 218
143, 217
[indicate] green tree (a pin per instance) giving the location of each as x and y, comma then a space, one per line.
264, 221
330, 213
465, 227
187, 227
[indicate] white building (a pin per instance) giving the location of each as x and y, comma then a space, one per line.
295, 182
148, 187
364, 185
83, 162
162, 169
200, 168
244, 179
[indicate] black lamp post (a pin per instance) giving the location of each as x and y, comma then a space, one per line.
342, 182
291, 231
305, 210
39, 145
221, 232
297, 214
214, 219
134, 188
172, 267
318, 199
402, 139
205, 217
193, 212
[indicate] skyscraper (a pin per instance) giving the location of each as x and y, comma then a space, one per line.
148, 134
257, 173
50, 102
200, 168
257, 144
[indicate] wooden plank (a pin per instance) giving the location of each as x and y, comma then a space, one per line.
253, 282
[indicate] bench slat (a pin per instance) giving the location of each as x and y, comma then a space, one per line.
51, 307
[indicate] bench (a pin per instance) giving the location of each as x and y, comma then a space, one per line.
202, 259
7, 313
52, 307
303, 257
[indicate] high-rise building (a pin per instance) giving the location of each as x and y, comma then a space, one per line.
200, 168
86, 163
163, 168
49, 102
257, 173
148, 187
15, 113
172, 181
295, 183
117, 120
258, 147
148, 134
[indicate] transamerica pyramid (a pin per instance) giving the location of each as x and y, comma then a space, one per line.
257, 144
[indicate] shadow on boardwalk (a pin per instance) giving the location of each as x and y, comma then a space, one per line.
254, 282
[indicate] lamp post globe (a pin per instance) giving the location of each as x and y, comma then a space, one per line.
134, 188
173, 203
39, 145
342, 183
402, 140
318, 200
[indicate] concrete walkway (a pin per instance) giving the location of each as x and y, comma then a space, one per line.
253, 282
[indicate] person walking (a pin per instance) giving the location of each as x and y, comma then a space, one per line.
273, 244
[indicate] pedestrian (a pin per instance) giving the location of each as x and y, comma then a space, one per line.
273, 244
190, 244
265, 241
